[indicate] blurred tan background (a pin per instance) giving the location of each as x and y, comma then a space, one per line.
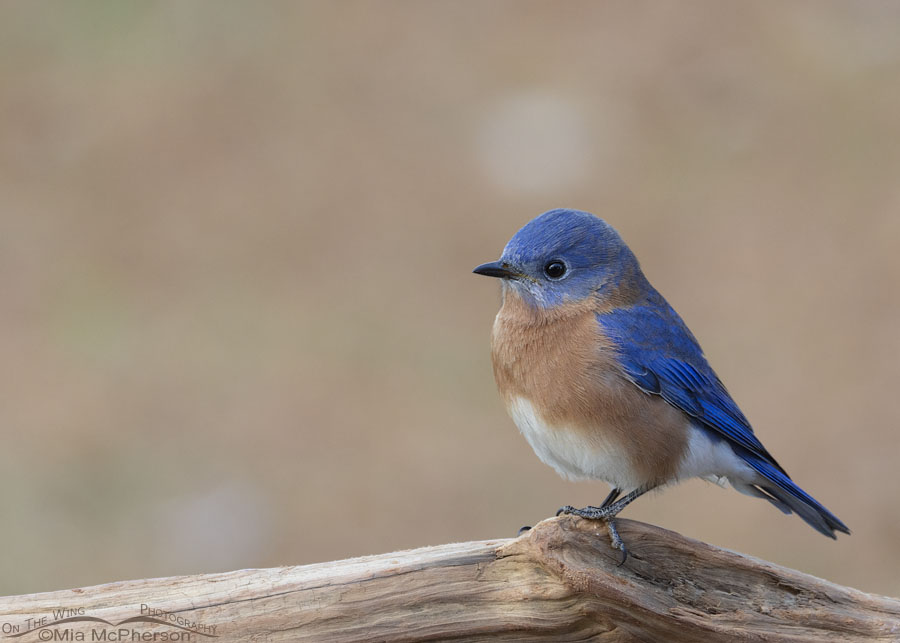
238, 326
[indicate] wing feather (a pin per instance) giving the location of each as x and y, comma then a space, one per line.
660, 355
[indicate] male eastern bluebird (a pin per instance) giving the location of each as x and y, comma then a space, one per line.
606, 382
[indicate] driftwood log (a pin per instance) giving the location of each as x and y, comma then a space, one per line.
558, 582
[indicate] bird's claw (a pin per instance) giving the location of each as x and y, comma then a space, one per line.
599, 513
589, 512
615, 540
522, 530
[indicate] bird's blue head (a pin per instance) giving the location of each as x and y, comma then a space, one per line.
565, 256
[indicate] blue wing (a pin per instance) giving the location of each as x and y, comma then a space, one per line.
660, 355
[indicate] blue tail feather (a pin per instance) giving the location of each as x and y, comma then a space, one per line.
780, 486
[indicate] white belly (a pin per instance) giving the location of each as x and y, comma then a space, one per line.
572, 453
715, 461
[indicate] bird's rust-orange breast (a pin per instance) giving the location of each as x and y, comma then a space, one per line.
565, 367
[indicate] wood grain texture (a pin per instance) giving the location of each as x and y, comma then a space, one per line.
557, 582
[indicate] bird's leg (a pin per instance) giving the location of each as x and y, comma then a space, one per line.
615, 540
608, 512
611, 498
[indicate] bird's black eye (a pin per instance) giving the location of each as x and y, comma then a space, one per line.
555, 269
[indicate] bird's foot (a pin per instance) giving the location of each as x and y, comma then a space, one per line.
590, 512
615, 540
522, 530
601, 513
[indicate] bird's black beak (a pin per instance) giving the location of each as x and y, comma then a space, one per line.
495, 269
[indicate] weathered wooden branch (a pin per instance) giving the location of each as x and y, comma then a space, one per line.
558, 582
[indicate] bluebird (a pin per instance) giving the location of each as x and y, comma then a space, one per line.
606, 382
